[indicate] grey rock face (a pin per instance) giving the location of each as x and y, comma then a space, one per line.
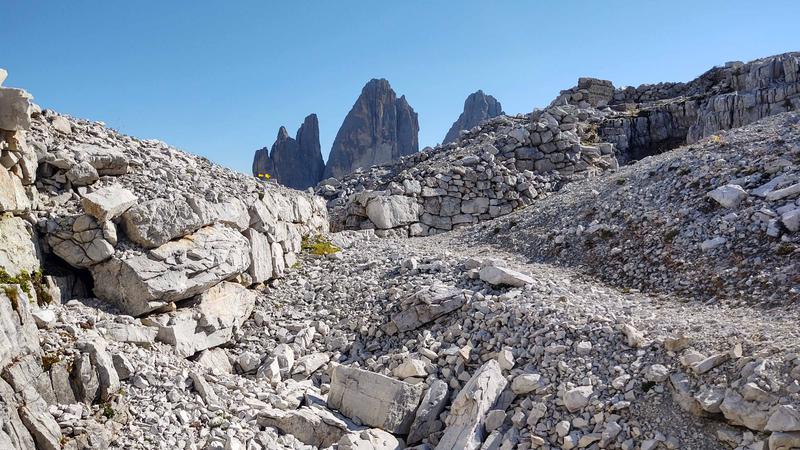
141, 284
374, 399
380, 128
478, 107
296, 163
17, 328
211, 320
425, 421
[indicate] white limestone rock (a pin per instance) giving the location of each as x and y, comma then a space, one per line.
139, 284
207, 321
374, 399
728, 196
393, 211
501, 276
108, 203
465, 422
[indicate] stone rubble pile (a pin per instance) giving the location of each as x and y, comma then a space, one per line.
716, 220
147, 229
552, 363
492, 170
154, 225
25, 422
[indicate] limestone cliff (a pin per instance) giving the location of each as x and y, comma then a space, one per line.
379, 129
478, 108
296, 163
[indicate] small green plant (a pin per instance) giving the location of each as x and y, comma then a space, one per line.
25, 280
108, 411
318, 245
785, 249
669, 235
621, 181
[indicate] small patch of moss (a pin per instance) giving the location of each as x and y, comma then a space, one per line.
25, 280
670, 235
49, 360
108, 411
11, 293
318, 245
621, 181
785, 249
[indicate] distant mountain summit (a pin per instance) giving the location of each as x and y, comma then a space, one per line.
478, 108
379, 129
296, 163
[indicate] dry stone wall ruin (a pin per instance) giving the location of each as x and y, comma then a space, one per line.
509, 162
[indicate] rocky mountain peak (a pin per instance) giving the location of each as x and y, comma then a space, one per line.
380, 128
478, 108
293, 162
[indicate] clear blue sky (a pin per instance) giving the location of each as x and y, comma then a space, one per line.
219, 78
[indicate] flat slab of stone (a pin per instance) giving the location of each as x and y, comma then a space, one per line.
465, 429
393, 211
374, 399
501, 276
108, 203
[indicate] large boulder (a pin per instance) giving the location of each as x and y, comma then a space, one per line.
81, 240
311, 426
18, 247
374, 399
207, 321
158, 221
465, 428
15, 109
177, 270
108, 203
393, 211
105, 160
502, 276
425, 306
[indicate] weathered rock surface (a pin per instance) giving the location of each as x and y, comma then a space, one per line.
393, 211
478, 108
19, 247
380, 128
108, 203
468, 411
207, 321
174, 271
426, 419
374, 399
